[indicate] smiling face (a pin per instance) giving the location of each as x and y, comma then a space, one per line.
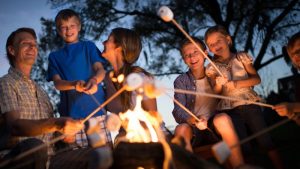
192, 57
294, 53
219, 44
110, 49
24, 49
69, 29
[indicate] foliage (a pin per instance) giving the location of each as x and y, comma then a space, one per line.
260, 27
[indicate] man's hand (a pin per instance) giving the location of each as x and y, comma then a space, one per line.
68, 126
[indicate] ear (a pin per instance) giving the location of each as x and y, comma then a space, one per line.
79, 27
229, 40
11, 50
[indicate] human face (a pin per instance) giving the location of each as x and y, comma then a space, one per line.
110, 49
192, 57
294, 53
218, 44
24, 49
69, 29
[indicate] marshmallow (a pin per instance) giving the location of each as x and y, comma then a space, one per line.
134, 81
165, 13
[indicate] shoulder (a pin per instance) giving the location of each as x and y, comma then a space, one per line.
7, 82
88, 43
244, 57
182, 78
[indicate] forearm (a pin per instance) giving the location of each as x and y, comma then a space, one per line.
24, 127
251, 81
64, 85
99, 72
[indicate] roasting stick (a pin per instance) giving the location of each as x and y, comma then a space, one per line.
30, 151
220, 97
167, 15
186, 110
133, 81
222, 151
104, 103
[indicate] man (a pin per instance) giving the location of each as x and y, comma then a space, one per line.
27, 114
292, 110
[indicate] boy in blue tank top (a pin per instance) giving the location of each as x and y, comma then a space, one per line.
77, 72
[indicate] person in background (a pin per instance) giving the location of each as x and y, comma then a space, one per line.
237, 80
213, 126
77, 72
292, 110
28, 118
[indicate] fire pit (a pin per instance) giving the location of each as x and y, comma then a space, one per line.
151, 156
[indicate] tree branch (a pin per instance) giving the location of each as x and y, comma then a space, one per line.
269, 32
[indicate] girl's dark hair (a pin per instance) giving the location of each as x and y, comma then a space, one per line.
187, 41
11, 40
131, 45
65, 14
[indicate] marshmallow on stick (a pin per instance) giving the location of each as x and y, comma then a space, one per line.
167, 15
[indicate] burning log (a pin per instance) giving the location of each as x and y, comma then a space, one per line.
151, 155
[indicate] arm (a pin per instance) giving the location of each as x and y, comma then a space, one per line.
252, 80
178, 113
63, 85
24, 127
287, 109
91, 86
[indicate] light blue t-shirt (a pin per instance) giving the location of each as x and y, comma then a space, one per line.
75, 62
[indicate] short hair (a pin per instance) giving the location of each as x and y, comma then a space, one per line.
65, 14
11, 40
292, 41
187, 41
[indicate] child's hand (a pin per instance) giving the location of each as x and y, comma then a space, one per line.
79, 86
91, 86
230, 85
191, 121
202, 124
283, 109
221, 80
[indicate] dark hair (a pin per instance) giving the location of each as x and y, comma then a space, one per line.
131, 45
65, 14
11, 40
187, 41
292, 41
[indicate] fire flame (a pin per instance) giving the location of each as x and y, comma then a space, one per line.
140, 126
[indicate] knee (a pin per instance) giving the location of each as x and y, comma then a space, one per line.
222, 120
183, 130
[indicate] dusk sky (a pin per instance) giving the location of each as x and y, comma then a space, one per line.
27, 13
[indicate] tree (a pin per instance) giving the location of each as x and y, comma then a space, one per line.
260, 27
